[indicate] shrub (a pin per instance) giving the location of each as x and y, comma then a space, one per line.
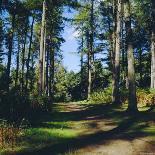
9, 134
146, 97
101, 96
39, 102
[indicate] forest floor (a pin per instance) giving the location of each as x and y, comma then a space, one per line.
82, 129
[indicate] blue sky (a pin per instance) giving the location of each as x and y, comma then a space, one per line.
71, 59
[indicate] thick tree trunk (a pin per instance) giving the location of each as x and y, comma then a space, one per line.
140, 68
132, 105
52, 67
153, 61
10, 43
23, 59
113, 45
116, 91
17, 65
29, 54
42, 50
47, 68
89, 57
82, 52
153, 47
92, 52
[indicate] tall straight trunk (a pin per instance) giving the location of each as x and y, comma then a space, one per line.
132, 105
116, 91
153, 47
29, 53
89, 57
47, 68
123, 50
10, 43
17, 65
42, 50
113, 44
52, 68
140, 66
82, 52
23, 59
44, 64
32, 69
92, 53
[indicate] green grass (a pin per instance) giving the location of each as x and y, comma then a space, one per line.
62, 126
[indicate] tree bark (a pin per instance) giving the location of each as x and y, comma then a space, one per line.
89, 56
10, 42
132, 105
82, 52
153, 47
47, 67
29, 53
116, 91
42, 50
17, 64
52, 67
23, 59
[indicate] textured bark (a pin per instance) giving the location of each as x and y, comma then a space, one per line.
42, 50
132, 105
47, 68
113, 45
23, 59
29, 53
89, 57
82, 61
116, 91
90, 46
153, 47
10, 43
17, 65
51, 85
140, 67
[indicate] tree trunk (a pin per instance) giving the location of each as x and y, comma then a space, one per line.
140, 68
92, 53
132, 105
17, 65
52, 66
116, 91
89, 66
42, 50
153, 47
23, 59
47, 67
82, 52
29, 54
113, 45
10, 42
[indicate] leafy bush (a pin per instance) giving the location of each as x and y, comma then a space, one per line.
146, 97
10, 134
14, 105
101, 96
39, 102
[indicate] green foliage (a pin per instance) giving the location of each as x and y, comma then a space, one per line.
10, 134
101, 96
146, 97
39, 102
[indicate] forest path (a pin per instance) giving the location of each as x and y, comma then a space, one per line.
99, 130
117, 136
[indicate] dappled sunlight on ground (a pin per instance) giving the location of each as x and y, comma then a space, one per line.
89, 129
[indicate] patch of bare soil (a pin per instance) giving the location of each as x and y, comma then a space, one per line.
112, 144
